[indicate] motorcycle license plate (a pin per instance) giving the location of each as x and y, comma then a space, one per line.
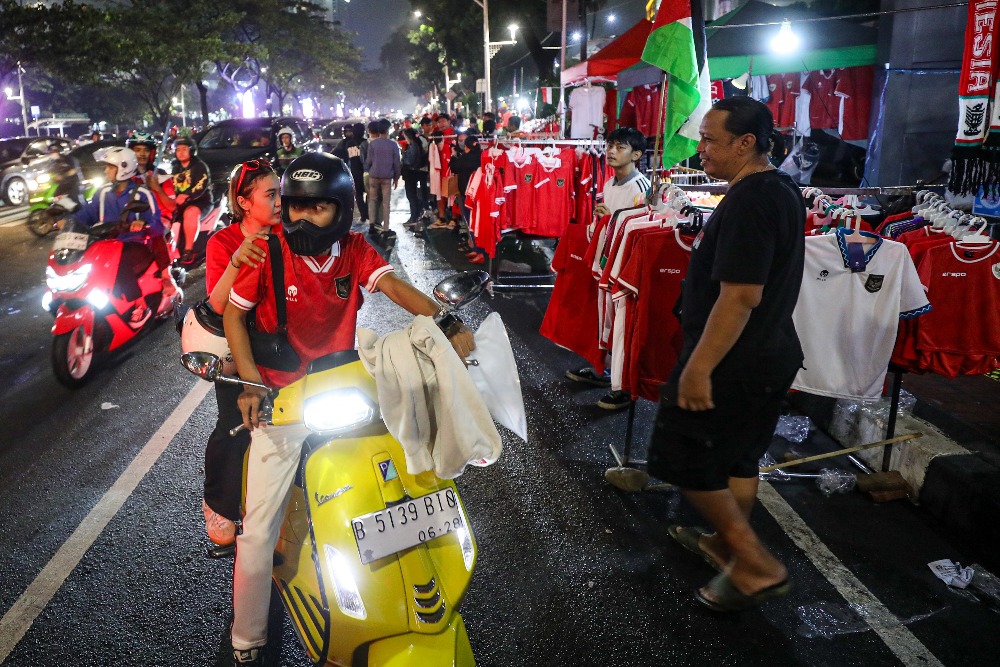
70, 241
407, 524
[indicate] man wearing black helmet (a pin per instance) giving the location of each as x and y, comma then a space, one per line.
325, 267
192, 193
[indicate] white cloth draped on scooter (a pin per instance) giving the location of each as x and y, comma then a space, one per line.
428, 400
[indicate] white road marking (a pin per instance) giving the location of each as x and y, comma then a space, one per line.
25, 610
897, 637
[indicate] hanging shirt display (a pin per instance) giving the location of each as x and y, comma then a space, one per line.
837, 303
587, 105
824, 105
854, 88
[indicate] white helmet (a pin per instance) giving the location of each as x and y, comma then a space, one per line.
123, 158
202, 332
286, 130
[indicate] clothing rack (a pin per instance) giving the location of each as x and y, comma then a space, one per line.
722, 188
542, 281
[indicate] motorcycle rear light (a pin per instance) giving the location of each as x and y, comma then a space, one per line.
344, 585
98, 299
70, 282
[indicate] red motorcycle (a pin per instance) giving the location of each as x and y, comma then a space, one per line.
93, 296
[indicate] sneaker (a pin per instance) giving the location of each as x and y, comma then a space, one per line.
589, 376
478, 259
615, 400
187, 259
250, 658
220, 530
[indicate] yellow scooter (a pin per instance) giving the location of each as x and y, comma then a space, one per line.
372, 563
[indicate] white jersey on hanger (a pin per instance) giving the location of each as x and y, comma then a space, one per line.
587, 104
847, 321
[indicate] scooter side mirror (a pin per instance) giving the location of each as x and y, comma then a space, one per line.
461, 289
205, 365
208, 366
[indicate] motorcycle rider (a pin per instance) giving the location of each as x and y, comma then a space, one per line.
227, 250
65, 171
327, 264
287, 151
144, 146
192, 193
107, 205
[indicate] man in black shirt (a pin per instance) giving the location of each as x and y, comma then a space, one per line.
719, 408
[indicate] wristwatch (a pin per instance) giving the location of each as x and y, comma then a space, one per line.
448, 322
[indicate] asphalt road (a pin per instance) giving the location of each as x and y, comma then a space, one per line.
571, 573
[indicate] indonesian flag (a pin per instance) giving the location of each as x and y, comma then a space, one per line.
671, 47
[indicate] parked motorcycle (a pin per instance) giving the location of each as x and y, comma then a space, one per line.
372, 562
93, 315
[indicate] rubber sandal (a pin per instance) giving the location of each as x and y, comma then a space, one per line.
440, 224
687, 537
728, 598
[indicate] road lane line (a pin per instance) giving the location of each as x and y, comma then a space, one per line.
903, 643
25, 610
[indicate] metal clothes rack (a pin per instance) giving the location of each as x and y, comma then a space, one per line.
531, 281
624, 459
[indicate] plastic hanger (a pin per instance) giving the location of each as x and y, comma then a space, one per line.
978, 237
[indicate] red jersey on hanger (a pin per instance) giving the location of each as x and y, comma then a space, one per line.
824, 105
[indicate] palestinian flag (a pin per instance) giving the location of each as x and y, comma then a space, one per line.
671, 47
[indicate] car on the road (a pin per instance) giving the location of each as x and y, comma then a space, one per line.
333, 132
236, 140
15, 157
36, 174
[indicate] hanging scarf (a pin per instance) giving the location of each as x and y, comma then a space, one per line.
975, 159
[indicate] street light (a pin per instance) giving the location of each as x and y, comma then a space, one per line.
490, 49
183, 111
448, 83
19, 98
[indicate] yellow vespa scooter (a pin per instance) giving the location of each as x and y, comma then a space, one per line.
372, 562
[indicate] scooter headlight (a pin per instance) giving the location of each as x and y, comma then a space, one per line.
47, 300
42, 179
71, 282
338, 410
98, 299
344, 584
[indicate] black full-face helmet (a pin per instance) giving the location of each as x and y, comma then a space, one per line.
317, 176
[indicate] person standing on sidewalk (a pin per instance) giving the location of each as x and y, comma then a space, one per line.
719, 408
382, 165
627, 188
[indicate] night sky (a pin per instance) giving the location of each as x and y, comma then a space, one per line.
374, 21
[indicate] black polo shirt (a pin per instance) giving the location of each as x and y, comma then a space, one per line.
755, 236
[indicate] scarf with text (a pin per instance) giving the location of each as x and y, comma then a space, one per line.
976, 156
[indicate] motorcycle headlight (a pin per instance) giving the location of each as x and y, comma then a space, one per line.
98, 299
42, 179
338, 410
345, 586
71, 282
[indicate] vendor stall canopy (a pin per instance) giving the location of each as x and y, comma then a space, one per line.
733, 51
828, 44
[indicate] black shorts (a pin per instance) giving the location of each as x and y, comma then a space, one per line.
702, 450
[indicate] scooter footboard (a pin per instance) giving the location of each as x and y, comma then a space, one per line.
449, 648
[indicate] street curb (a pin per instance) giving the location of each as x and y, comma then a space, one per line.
959, 487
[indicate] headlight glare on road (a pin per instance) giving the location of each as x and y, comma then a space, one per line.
344, 585
338, 410
71, 282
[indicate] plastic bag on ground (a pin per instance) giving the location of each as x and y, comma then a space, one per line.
835, 480
496, 376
